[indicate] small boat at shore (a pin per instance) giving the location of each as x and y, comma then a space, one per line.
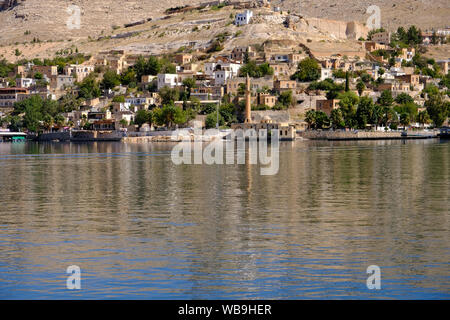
444, 133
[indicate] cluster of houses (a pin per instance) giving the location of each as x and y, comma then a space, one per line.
214, 78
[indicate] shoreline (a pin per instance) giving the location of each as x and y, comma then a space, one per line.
302, 135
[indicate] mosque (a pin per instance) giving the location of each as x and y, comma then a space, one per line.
286, 131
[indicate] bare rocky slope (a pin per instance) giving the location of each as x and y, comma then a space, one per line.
425, 14
47, 18
102, 25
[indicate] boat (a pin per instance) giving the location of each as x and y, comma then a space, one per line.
444, 133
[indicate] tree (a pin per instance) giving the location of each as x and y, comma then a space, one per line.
414, 36
211, 120
89, 88
188, 84
166, 66
169, 115
386, 98
348, 102
5, 68
337, 119
31, 118
322, 120
153, 66
208, 108
69, 102
59, 119
310, 118
401, 34
434, 38
140, 67
409, 108
360, 86
404, 119
377, 115
339, 73
307, 70
141, 117
445, 81
169, 95
38, 76
347, 82
246, 57
286, 99
364, 112
15, 123
120, 98
35, 110
48, 121
110, 80
404, 98
390, 117
255, 71
128, 78
437, 108
423, 118
227, 112
123, 123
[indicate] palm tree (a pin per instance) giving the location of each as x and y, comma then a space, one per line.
310, 118
48, 122
423, 117
360, 86
404, 119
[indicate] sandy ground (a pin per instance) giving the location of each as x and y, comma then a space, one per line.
166, 35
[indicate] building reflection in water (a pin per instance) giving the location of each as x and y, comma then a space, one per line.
140, 226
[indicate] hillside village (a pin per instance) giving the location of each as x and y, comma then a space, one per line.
386, 83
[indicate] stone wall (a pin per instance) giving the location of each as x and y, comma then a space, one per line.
339, 29
349, 135
51, 136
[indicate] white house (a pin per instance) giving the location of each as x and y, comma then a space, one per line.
168, 79
221, 76
325, 74
139, 103
243, 18
222, 64
25, 82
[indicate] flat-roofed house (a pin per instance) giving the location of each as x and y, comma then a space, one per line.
327, 105
79, 71
9, 96
48, 71
284, 85
382, 37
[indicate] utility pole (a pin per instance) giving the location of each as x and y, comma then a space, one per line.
217, 115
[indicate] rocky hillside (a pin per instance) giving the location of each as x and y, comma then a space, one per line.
38, 28
423, 13
47, 19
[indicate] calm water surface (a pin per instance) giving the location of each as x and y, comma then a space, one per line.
141, 227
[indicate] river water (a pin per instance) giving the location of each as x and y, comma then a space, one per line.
141, 227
